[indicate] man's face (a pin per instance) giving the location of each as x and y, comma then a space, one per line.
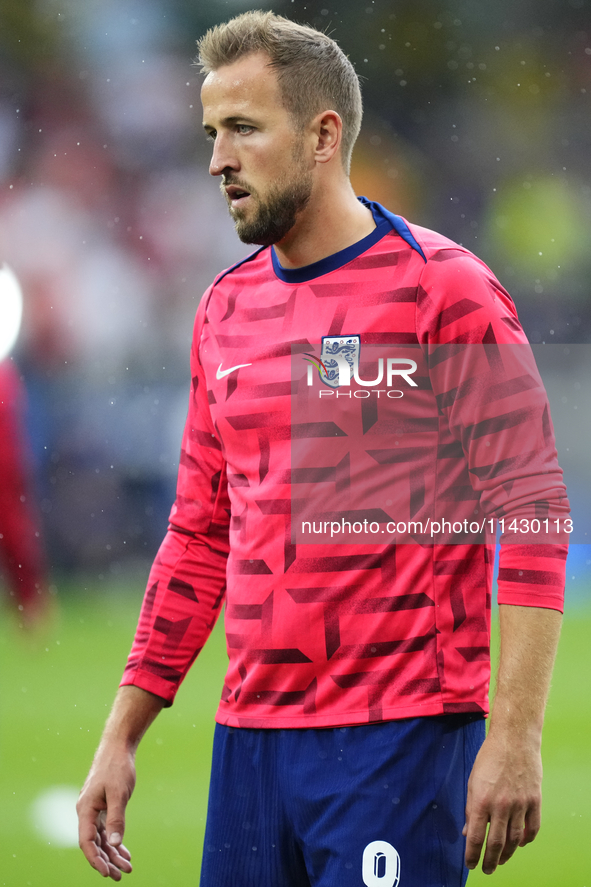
266, 178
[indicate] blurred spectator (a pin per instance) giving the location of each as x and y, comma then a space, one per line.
21, 549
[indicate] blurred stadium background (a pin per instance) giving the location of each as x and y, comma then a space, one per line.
477, 124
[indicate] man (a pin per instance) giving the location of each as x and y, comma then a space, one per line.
352, 710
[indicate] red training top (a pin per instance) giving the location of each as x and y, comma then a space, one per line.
294, 458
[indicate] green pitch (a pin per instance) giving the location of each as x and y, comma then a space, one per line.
55, 693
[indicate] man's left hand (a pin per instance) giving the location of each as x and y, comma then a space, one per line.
504, 790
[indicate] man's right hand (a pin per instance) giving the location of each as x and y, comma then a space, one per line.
101, 811
111, 781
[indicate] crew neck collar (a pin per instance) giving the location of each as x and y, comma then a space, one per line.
385, 222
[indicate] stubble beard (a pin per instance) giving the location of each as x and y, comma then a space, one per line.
276, 214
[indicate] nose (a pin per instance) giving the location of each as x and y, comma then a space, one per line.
222, 156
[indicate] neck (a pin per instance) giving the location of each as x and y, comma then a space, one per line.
332, 220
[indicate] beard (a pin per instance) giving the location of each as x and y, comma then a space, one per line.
275, 215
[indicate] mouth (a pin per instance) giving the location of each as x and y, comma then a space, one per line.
236, 196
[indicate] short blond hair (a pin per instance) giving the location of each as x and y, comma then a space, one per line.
314, 74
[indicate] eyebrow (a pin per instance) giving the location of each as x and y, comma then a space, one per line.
228, 121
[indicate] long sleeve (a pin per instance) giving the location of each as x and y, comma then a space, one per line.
489, 390
187, 582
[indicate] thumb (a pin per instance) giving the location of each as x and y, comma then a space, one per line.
115, 822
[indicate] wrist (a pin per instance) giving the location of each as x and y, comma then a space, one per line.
509, 724
133, 712
118, 742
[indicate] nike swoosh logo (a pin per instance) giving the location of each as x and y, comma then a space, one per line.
221, 373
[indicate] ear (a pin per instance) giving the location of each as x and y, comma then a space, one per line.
328, 129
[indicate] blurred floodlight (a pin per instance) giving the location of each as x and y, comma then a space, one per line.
11, 310
54, 817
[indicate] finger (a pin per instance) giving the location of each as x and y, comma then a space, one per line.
90, 842
89, 846
513, 837
98, 860
121, 860
475, 833
108, 868
114, 872
124, 852
114, 855
533, 822
495, 843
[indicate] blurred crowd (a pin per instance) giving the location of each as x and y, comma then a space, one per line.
476, 124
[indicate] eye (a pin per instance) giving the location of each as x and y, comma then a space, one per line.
244, 128
210, 135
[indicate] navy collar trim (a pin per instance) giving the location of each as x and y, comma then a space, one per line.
397, 223
237, 264
384, 220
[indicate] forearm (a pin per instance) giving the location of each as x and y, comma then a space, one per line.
110, 783
133, 711
529, 639
505, 786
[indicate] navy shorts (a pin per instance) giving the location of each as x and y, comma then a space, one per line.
376, 805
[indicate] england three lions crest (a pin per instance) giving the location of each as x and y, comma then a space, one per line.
339, 359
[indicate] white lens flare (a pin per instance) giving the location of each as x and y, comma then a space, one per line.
53, 816
11, 310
